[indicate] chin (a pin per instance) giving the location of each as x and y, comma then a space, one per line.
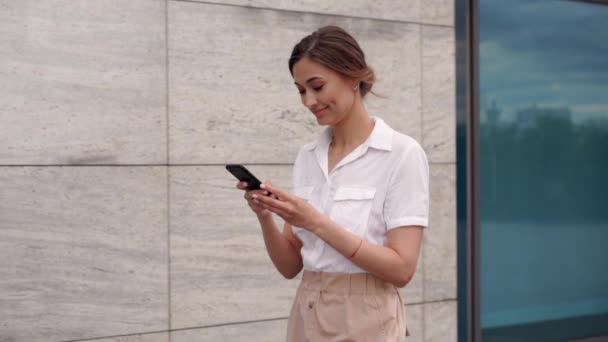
325, 121
330, 120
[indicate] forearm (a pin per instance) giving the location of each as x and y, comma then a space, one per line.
283, 254
383, 262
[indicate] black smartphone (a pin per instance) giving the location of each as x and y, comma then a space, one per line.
242, 174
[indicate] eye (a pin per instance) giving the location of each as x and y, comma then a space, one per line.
318, 88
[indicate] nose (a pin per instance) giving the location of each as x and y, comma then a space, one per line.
309, 99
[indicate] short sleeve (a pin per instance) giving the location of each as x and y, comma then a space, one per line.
407, 197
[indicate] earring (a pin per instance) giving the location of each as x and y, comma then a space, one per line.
356, 87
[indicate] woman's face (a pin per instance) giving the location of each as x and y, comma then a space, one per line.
327, 94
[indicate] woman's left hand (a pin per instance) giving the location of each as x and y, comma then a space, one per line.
294, 210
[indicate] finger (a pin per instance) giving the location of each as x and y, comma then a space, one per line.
249, 194
284, 195
243, 186
268, 193
272, 202
282, 213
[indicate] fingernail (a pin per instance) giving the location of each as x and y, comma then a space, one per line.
254, 196
263, 186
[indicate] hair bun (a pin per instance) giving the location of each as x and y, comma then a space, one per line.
334, 48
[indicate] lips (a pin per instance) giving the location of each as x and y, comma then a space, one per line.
320, 112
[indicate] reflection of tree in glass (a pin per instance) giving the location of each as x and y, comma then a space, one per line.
543, 168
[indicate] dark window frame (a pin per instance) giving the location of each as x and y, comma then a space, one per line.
467, 99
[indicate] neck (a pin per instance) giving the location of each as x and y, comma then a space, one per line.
353, 130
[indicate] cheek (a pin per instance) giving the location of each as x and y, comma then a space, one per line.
341, 102
332, 98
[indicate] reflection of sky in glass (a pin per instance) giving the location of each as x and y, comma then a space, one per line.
542, 162
523, 62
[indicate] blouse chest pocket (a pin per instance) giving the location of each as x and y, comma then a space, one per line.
352, 207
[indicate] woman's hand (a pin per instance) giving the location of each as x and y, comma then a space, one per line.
255, 207
290, 208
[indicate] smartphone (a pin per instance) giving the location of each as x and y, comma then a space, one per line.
242, 174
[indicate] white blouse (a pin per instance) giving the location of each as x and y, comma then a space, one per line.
381, 185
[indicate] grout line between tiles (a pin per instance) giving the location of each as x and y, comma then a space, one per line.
168, 168
447, 300
346, 16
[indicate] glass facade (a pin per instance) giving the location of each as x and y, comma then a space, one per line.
543, 170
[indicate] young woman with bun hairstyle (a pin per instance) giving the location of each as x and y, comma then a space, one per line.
360, 202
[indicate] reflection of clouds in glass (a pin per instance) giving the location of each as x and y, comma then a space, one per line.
542, 167
544, 52
594, 108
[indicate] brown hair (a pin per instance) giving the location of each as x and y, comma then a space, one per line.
334, 48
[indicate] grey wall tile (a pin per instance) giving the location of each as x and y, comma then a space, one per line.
232, 98
414, 319
220, 270
441, 322
148, 337
439, 93
265, 331
408, 10
440, 238
83, 82
440, 12
83, 252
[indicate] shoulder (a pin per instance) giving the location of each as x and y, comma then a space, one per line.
400, 143
308, 146
304, 156
404, 145
305, 150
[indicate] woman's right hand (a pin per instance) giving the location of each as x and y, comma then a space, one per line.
255, 207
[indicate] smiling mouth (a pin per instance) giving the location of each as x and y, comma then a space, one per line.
320, 111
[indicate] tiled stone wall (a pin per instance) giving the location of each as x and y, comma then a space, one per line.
117, 219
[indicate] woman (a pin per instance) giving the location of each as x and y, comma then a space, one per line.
355, 220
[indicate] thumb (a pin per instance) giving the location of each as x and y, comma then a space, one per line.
278, 193
269, 183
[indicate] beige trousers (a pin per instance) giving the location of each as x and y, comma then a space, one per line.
332, 307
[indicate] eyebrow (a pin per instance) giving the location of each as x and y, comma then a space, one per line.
310, 79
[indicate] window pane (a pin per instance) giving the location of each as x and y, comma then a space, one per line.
544, 169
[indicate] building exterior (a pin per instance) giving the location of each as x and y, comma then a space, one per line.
118, 221
532, 112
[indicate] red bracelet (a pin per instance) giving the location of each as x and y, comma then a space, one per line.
356, 250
